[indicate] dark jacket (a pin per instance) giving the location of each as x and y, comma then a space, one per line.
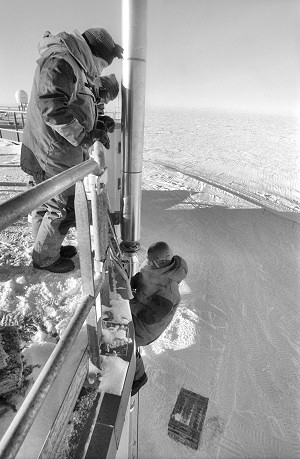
156, 298
62, 105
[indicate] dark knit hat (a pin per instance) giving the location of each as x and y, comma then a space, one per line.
110, 85
102, 44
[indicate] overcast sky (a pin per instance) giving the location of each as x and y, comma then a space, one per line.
233, 54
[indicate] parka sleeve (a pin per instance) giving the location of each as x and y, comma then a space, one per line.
55, 89
180, 268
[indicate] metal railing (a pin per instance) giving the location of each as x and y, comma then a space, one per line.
92, 274
24, 203
12, 124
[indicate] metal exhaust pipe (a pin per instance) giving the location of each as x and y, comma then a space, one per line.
134, 29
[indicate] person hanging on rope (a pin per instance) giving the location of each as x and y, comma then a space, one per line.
61, 124
156, 297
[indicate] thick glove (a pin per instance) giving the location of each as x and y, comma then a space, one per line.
108, 121
101, 125
134, 281
94, 135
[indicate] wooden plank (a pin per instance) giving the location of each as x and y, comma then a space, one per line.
11, 371
187, 418
57, 432
84, 239
86, 267
108, 428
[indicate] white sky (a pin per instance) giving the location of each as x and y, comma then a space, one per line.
240, 54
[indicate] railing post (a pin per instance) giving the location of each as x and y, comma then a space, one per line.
87, 270
22, 117
16, 126
100, 224
99, 215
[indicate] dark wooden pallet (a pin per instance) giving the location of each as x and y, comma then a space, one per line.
187, 418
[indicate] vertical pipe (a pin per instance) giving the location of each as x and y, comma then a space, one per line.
98, 156
134, 29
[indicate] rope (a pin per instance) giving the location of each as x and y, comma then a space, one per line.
137, 425
123, 274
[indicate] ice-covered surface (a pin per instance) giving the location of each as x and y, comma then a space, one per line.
255, 155
235, 336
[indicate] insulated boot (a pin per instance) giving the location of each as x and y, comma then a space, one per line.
62, 265
138, 383
68, 251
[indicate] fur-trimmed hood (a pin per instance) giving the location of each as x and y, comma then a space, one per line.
176, 271
75, 44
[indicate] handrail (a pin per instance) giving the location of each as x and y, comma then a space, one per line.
23, 204
15, 131
10, 212
20, 131
21, 424
4, 110
15, 118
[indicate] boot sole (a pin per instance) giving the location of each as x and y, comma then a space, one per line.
52, 269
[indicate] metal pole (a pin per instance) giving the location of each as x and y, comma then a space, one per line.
134, 19
23, 204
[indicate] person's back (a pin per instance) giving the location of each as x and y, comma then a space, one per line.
62, 108
156, 294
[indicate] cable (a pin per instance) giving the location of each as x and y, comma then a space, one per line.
137, 426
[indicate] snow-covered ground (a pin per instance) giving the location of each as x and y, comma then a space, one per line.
223, 190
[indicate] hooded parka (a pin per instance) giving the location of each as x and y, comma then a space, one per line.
61, 111
62, 106
156, 298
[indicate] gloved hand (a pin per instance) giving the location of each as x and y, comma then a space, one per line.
108, 121
100, 125
94, 135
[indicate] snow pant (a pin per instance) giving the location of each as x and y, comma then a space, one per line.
50, 224
141, 337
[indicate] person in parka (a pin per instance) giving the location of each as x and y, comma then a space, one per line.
61, 124
156, 297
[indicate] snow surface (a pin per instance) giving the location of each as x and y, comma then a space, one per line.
223, 190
